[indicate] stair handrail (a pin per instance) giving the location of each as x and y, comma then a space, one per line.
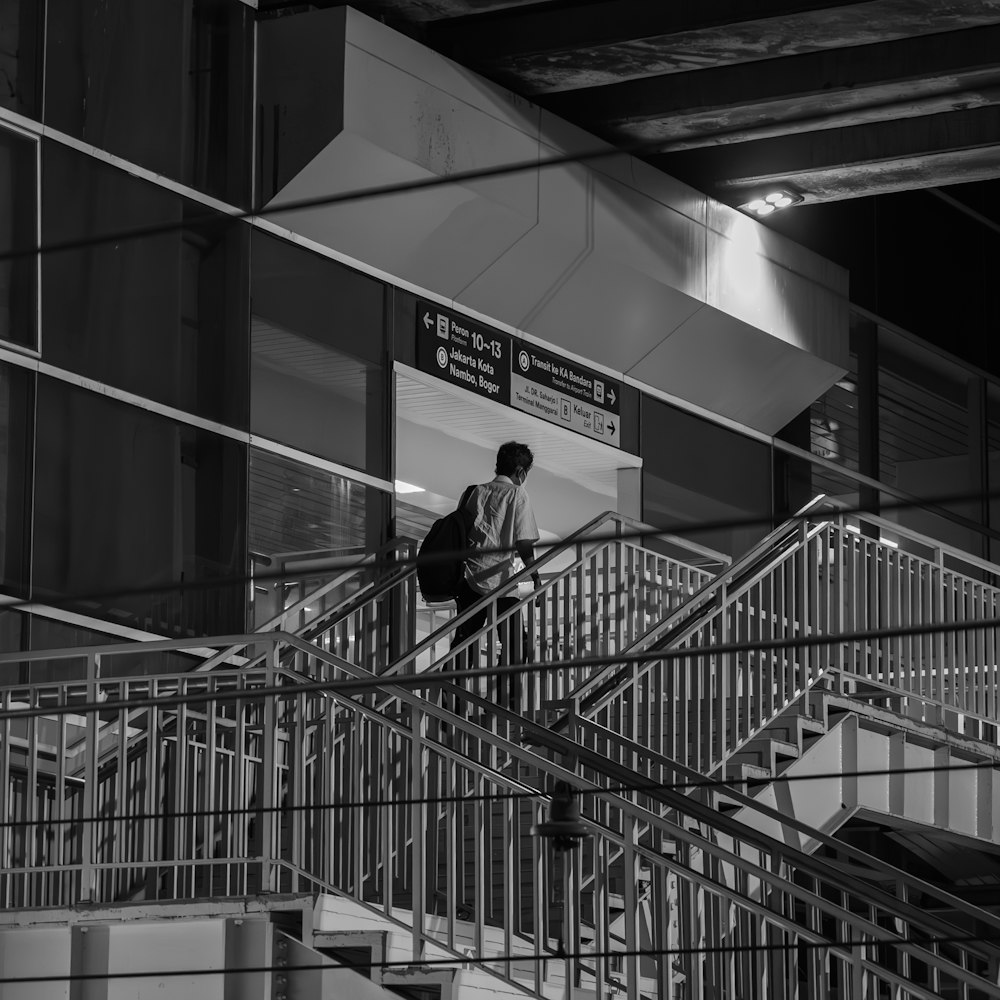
577, 537
700, 783
539, 735
703, 814
843, 512
767, 847
750, 564
369, 591
570, 749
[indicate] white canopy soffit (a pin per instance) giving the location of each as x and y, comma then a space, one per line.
610, 259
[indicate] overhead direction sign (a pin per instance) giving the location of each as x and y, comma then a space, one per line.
468, 354
500, 367
563, 392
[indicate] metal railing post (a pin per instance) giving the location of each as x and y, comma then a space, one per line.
91, 804
268, 782
631, 890
418, 813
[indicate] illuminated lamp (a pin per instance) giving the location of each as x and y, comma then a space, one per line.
770, 201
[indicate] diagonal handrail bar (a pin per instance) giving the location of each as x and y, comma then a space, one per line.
331, 616
700, 787
598, 688
537, 736
580, 536
704, 815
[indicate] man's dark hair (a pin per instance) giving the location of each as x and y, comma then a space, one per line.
513, 456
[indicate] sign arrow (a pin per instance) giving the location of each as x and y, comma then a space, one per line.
428, 322
611, 396
611, 427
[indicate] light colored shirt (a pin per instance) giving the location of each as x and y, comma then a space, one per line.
501, 517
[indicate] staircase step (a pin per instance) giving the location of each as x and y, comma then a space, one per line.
767, 753
798, 729
738, 773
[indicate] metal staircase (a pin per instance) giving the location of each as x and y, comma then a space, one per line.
825, 596
306, 764
669, 894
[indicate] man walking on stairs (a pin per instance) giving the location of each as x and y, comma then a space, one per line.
503, 527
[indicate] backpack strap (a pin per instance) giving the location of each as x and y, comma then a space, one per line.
467, 518
465, 496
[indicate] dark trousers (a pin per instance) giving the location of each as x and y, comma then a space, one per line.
513, 642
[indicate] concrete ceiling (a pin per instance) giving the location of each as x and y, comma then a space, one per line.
837, 100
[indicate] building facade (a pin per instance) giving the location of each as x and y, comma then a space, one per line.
180, 370
233, 247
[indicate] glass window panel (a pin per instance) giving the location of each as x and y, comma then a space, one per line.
318, 356
696, 472
829, 428
797, 481
993, 464
20, 49
163, 83
18, 233
136, 516
13, 637
16, 405
297, 511
163, 316
924, 439
301, 516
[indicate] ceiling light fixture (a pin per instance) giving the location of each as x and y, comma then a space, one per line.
771, 201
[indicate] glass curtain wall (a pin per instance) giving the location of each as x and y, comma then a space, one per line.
21, 32
16, 417
698, 473
991, 444
926, 444
166, 84
138, 519
163, 316
318, 356
319, 386
18, 235
302, 520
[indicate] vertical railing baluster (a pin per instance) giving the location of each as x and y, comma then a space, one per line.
32, 796
418, 811
480, 856
510, 887
387, 820
90, 806
452, 830
267, 779
721, 670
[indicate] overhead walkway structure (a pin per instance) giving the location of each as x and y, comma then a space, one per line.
337, 766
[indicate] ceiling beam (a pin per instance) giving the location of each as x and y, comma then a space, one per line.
869, 80
534, 28
834, 164
544, 49
418, 11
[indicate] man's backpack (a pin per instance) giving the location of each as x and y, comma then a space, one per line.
439, 565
